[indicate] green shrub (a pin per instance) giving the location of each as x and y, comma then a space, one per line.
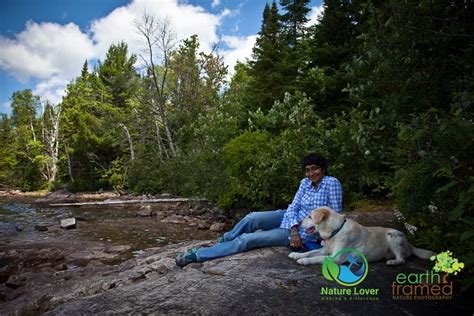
264, 165
246, 159
360, 143
145, 175
115, 175
434, 185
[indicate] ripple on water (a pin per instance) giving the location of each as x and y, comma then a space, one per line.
112, 225
14, 217
9, 211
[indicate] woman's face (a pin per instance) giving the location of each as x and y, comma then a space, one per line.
314, 173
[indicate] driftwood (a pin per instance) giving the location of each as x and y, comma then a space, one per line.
131, 202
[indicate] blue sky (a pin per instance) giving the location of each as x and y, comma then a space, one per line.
43, 43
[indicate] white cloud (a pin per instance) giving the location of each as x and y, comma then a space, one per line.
227, 12
51, 89
240, 48
45, 49
314, 14
49, 52
55, 53
185, 20
112, 29
215, 3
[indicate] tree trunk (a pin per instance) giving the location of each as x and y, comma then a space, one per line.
159, 139
50, 139
69, 165
130, 142
33, 132
55, 147
164, 200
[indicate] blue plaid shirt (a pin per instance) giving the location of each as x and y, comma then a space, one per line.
307, 198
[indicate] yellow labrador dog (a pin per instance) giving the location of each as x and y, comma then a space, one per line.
338, 233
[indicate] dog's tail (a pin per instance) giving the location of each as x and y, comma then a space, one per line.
422, 253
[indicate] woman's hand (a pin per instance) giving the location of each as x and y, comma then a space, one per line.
295, 239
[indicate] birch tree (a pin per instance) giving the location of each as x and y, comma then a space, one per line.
130, 141
159, 41
50, 137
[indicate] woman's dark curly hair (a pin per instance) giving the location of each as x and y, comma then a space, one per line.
315, 159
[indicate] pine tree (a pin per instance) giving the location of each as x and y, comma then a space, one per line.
332, 40
24, 105
415, 56
85, 69
294, 23
331, 45
26, 145
294, 20
267, 83
8, 162
118, 74
89, 129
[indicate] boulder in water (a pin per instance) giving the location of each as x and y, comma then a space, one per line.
68, 223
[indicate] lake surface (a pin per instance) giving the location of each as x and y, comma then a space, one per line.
115, 225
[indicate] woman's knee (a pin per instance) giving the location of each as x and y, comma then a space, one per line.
251, 218
251, 215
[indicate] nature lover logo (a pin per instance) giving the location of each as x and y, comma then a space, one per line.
349, 273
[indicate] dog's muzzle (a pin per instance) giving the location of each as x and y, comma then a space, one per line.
310, 230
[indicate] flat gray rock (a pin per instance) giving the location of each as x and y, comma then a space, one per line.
263, 281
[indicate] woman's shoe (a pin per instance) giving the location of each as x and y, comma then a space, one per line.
183, 259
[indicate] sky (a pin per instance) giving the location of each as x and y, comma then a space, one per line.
44, 43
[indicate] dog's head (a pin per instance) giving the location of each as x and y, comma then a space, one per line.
322, 220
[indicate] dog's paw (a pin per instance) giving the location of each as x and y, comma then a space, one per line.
303, 261
395, 262
294, 255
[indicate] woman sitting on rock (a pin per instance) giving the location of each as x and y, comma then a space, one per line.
280, 227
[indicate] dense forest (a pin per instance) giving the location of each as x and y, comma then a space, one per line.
384, 89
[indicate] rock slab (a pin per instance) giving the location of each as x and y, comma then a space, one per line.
258, 282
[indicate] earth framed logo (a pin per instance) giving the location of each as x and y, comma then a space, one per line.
430, 285
350, 272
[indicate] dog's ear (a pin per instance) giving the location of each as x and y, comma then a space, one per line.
320, 215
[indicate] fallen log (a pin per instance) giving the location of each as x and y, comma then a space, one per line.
173, 200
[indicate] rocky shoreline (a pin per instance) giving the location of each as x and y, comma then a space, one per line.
70, 273
162, 208
36, 259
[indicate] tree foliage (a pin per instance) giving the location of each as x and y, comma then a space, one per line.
267, 82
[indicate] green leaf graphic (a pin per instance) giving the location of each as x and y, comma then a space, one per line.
330, 269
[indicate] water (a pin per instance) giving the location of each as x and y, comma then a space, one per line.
114, 225
16, 218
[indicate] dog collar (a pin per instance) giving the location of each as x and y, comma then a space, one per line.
337, 230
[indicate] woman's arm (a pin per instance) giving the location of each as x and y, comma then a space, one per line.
335, 195
290, 218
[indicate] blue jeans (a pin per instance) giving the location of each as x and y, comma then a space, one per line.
244, 237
